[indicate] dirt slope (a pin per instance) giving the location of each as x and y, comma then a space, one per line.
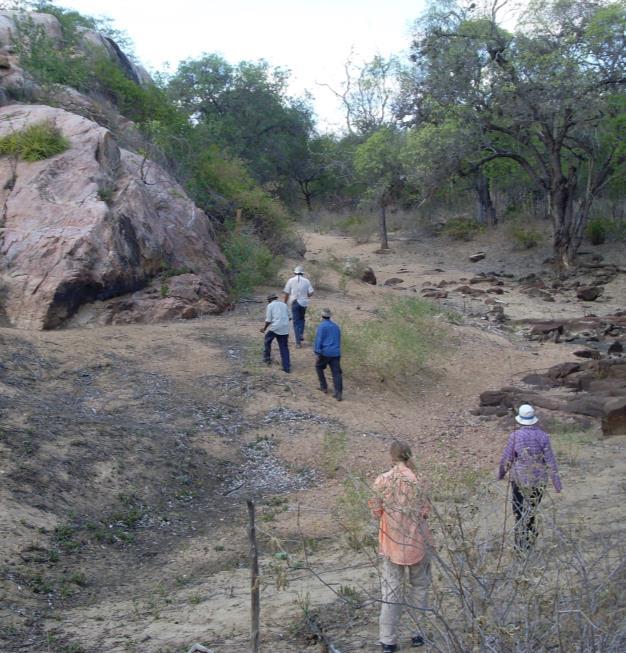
126, 455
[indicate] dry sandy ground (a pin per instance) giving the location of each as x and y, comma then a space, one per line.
139, 445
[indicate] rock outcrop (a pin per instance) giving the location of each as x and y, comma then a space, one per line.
595, 388
90, 42
95, 222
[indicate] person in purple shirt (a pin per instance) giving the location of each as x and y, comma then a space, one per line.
529, 458
327, 348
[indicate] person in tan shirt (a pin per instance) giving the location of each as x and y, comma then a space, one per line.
405, 541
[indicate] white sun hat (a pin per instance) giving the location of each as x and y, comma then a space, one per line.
298, 270
526, 415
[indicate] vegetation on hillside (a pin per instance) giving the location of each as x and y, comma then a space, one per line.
204, 150
525, 123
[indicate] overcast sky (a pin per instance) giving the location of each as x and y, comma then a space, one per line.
312, 38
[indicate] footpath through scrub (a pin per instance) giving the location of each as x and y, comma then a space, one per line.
128, 452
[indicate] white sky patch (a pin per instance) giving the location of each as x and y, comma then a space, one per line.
311, 38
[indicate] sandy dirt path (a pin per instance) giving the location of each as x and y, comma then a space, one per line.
177, 415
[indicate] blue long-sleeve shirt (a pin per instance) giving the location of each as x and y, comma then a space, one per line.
328, 339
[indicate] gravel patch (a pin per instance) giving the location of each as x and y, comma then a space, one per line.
262, 473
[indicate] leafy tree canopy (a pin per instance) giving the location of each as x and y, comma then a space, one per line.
246, 109
545, 96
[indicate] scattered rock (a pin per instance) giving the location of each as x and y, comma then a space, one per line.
538, 293
599, 384
546, 330
394, 281
434, 293
478, 256
494, 398
614, 417
560, 371
467, 290
368, 276
483, 279
498, 315
539, 380
592, 405
616, 347
588, 293
588, 353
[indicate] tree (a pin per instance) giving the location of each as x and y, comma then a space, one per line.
245, 109
379, 165
436, 154
367, 93
546, 97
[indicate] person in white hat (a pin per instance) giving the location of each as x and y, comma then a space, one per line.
529, 457
276, 327
297, 291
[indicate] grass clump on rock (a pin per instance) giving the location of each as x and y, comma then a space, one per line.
399, 343
34, 143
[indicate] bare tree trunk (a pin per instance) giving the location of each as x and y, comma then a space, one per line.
486, 209
307, 194
382, 226
255, 604
566, 223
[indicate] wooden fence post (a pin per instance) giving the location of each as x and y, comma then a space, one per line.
255, 604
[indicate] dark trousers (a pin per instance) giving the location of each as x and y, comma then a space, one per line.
335, 368
297, 313
283, 346
525, 502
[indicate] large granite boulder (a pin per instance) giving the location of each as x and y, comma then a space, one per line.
94, 222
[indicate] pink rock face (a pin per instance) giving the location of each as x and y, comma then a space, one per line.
94, 222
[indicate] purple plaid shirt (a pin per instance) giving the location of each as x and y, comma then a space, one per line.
528, 454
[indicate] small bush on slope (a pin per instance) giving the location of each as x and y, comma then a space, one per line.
250, 262
397, 344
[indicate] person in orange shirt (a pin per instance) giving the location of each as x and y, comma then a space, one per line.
405, 542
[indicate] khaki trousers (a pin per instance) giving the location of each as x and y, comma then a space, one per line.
395, 598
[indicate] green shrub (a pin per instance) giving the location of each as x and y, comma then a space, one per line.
361, 228
34, 143
333, 452
216, 172
461, 228
597, 230
525, 237
353, 513
138, 103
48, 62
399, 343
250, 261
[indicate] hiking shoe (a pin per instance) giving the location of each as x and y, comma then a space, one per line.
389, 648
324, 390
338, 397
417, 640
298, 345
